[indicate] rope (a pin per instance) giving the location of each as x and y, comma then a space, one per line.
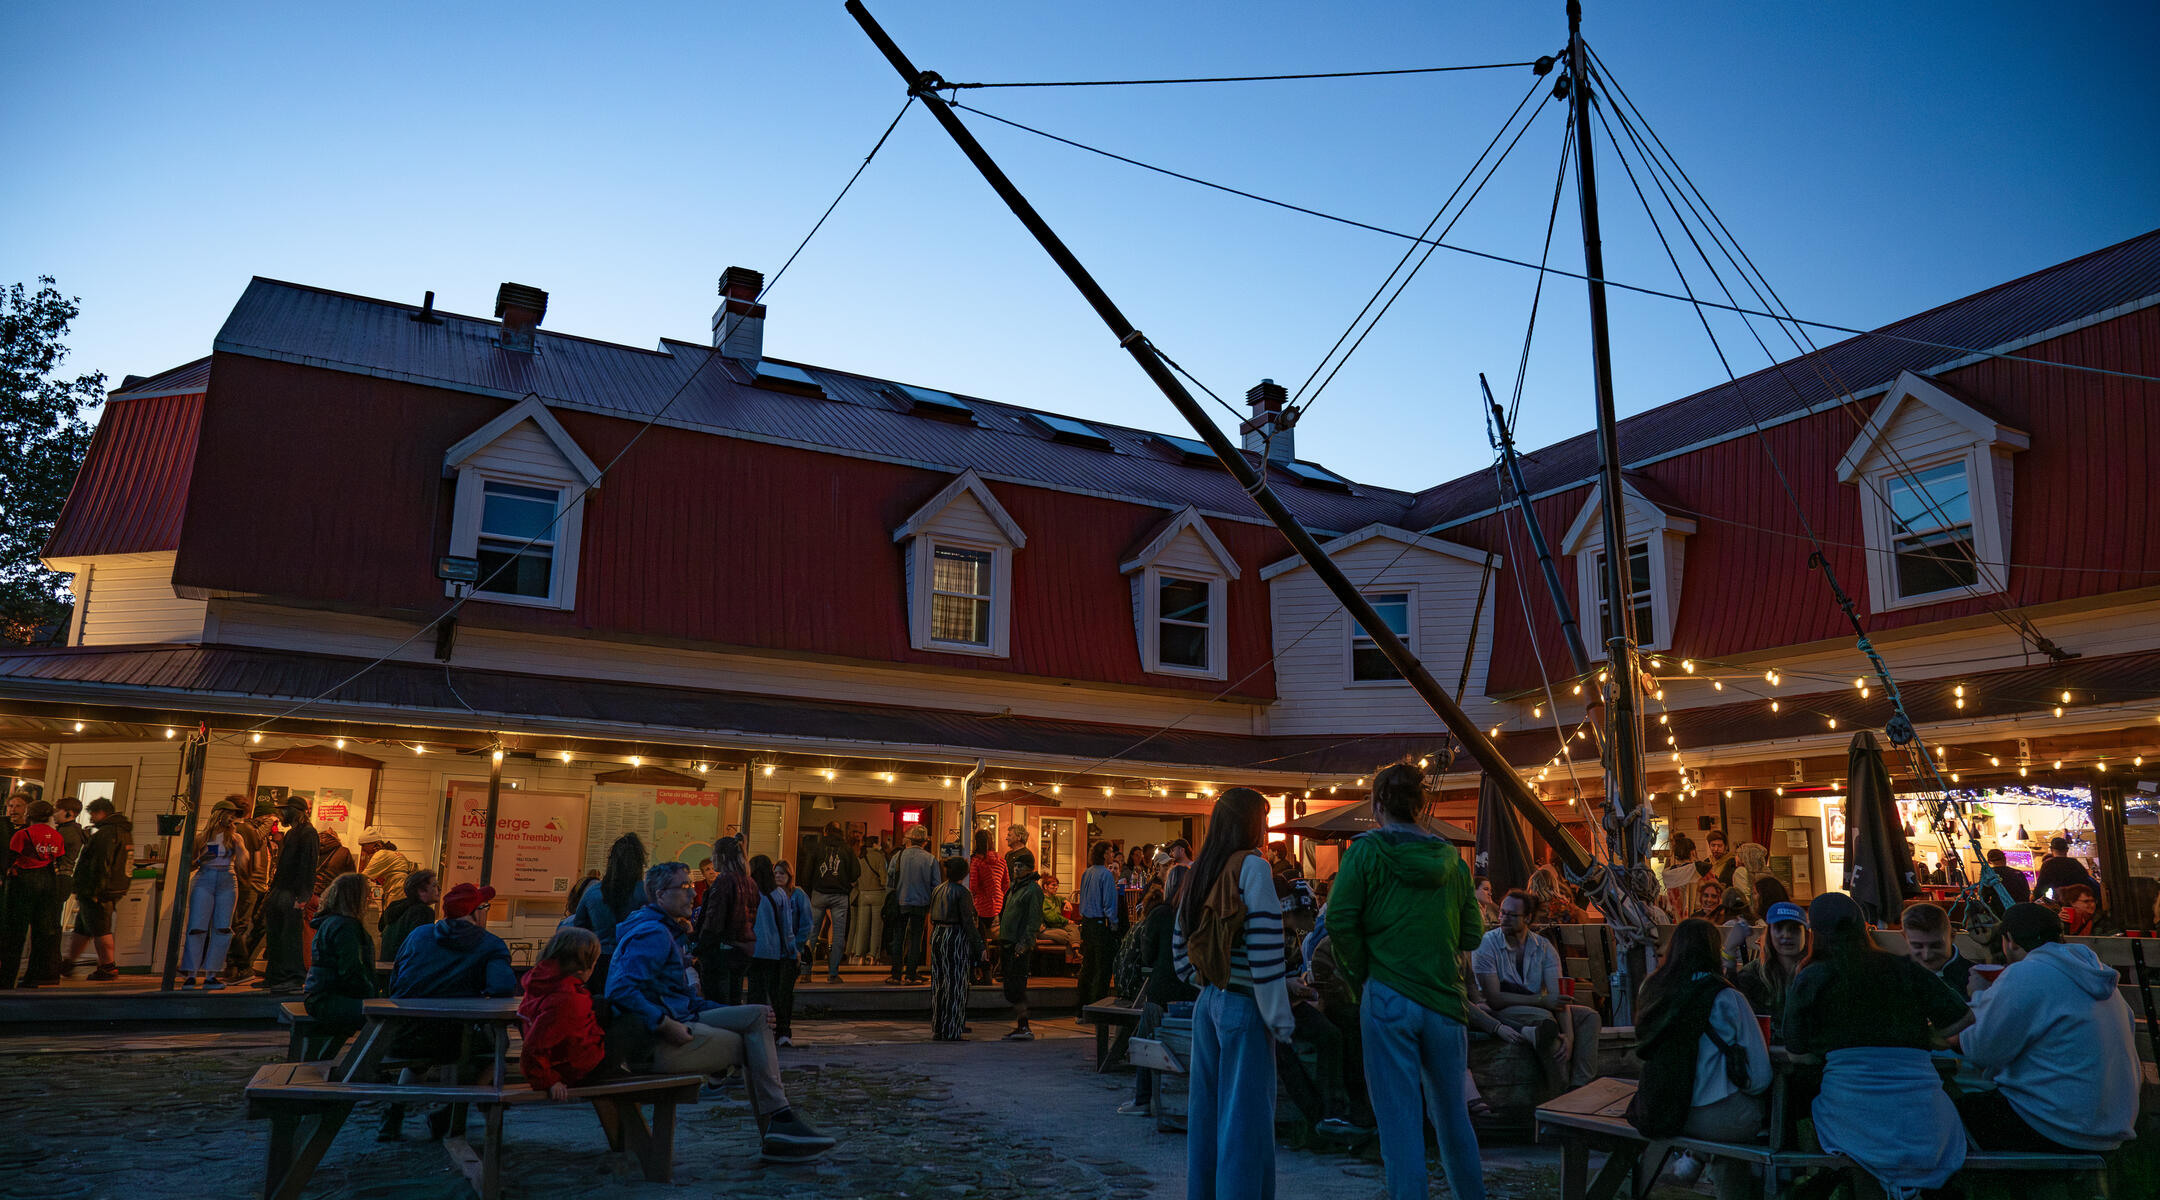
1247, 78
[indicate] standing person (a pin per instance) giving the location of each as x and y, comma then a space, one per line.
1767, 981
343, 973
1932, 944
1690, 1019
32, 911
1873, 1017
2013, 880
333, 860
1163, 989
251, 932
1228, 941
1180, 866
915, 877
1019, 921
1519, 973
866, 917
2056, 1035
1099, 905
247, 898
986, 885
662, 1024
102, 879
956, 944
2059, 871
1398, 917
563, 1045
292, 885
831, 873
385, 867
773, 953
1016, 839
415, 910
619, 893
220, 859
727, 926
1722, 863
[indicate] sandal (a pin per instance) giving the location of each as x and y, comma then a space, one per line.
1480, 1110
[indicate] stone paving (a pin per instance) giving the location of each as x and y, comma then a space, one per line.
144, 1116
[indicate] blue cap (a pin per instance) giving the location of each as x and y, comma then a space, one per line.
1785, 910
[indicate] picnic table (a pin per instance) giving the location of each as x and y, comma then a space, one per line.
292, 1095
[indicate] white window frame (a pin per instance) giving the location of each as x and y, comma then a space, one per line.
1645, 522
1409, 592
1218, 626
1597, 588
924, 550
465, 535
991, 601
1991, 574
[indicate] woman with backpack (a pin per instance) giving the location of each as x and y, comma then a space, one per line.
1402, 911
1228, 941
1705, 1065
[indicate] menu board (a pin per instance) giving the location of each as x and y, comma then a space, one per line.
676, 824
537, 838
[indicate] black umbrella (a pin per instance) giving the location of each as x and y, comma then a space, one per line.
1503, 854
1878, 860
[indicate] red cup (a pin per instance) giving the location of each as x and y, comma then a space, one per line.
1567, 986
1987, 971
1765, 1023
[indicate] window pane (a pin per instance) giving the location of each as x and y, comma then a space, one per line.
1394, 610
1182, 645
510, 511
1366, 663
964, 571
1936, 563
960, 619
526, 574
1184, 600
1638, 563
1945, 486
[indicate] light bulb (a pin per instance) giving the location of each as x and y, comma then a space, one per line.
1960, 702
1662, 719
1493, 732
768, 770
1773, 706
566, 756
1688, 665
1864, 693
635, 761
1056, 788
1106, 791
1859, 682
2021, 771
1601, 676
169, 735
2058, 710
254, 737
2058, 764
831, 774
1578, 691
703, 769
498, 755
1331, 789
1717, 685
1953, 776
1941, 751
419, 749
1770, 677
2101, 765
258, 737
1728, 793
1993, 761
2066, 697
1781, 791
1423, 763
341, 743
1536, 710
1660, 695
1361, 781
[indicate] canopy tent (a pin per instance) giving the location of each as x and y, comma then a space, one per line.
1349, 820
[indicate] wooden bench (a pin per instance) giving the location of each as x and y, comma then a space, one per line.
1594, 1117
1112, 1021
290, 1095
308, 1041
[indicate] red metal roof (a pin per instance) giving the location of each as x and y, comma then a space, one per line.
133, 487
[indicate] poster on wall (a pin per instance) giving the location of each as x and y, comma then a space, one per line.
676, 824
537, 840
337, 796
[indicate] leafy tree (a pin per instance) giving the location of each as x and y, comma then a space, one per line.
43, 437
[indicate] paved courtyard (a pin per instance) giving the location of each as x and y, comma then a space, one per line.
156, 1114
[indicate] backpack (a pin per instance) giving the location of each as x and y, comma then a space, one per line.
1666, 1092
1221, 924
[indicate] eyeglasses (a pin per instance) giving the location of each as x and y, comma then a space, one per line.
680, 887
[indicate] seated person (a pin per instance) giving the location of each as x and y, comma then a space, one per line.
1931, 942
1519, 973
1323, 1098
1057, 926
343, 972
1688, 1016
1767, 980
1162, 989
564, 1046
455, 956
2057, 1035
2079, 908
664, 1024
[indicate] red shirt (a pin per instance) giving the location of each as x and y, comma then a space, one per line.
986, 881
35, 847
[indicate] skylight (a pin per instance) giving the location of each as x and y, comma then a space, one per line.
787, 378
1196, 452
1317, 476
930, 402
1065, 429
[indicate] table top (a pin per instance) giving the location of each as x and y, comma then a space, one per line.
443, 1008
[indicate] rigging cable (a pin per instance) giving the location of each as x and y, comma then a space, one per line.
943, 86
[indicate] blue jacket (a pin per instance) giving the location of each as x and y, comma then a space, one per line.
648, 977
781, 927
915, 876
453, 958
593, 913
1099, 894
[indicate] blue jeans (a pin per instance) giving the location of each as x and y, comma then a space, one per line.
209, 917
1230, 1128
822, 903
1407, 1044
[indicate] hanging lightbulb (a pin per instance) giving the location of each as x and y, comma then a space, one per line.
831, 774
1662, 719
341, 743
1578, 691
1773, 706
768, 770
1859, 682
1994, 761
1423, 763
1106, 791
1940, 751
1660, 695
1360, 783
169, 734
2058, 764
1770, 676
1953, 776
258, 737
635, 761
418, 748
1863, 693
253, 737
1057, 789
1717, 685
2021, 770
1688, 665
1781, 791
2058, 710
566, 757
703, 769
1833, 722
497, 757
2066, 697
1728, 793
1493, 732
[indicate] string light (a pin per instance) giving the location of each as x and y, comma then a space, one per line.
1106, 791
1859, 683
1728, 793
1833, 722
2066, 697
768, 770
1360, 781
1493, 732
1717, 685
1781, 790
1864, 693
1423, 763
253, 737
831, 774
2021, 770
1536, 710
703, 769
1773, 706
169, 734
341, 743
2058, 764
2058, 710
1578, 691
635, 761
258, 737
1056, 788
1771, 677
566, 758
1993, 761
1601, 676
1688, 665
497, 757
417, 747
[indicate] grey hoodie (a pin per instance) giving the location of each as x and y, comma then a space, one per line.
2057, 1034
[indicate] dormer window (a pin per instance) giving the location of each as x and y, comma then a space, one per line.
959, 551
519, 508
1181, 581
1934, 474
1656, 555
1642, 597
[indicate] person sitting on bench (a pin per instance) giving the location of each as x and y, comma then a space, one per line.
2058, 1037
661, 1022
454, 957
564, 1046
1519, 973
1692, 1025
1931, 942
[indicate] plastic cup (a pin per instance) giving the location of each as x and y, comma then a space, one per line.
1765, 1023
1567, 986
1987, 971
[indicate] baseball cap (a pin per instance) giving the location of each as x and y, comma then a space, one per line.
2031, 925
291, 800
1785, 910
464, 898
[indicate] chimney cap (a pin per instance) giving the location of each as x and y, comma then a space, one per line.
519, 295
741, 283
1266, 396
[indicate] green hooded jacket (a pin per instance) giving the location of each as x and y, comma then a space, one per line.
1400, 912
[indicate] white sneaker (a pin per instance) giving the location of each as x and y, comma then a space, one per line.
1685, 1169
783, 1040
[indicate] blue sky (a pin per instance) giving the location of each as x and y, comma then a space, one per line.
1874, 159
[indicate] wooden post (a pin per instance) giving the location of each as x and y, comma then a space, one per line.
197, 748
2112, 847
749, 771
487, 837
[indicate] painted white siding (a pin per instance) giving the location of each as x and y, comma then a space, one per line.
127, 599
524, 450
966, 518
1312, 641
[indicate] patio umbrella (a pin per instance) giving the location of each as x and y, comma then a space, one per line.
1878, 859
1503, 853
1349, 820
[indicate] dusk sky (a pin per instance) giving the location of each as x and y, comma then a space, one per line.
1875, 160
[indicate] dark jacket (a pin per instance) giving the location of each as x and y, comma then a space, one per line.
103, 872
400, 920
1156, 935
832, 867
594, 913
297, 855
72, 838
729, 916
647, 980
453, 958
343, 973
332, 860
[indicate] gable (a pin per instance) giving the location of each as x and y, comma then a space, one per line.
1184, 542
965, 508
1920, 419
527, 436
1402, 537
1642, 515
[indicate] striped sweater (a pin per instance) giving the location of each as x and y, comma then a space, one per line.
1256, 961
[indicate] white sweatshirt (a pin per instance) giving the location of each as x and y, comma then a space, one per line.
1734, 1021
2057, 1034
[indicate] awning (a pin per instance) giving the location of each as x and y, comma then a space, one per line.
1349, 820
